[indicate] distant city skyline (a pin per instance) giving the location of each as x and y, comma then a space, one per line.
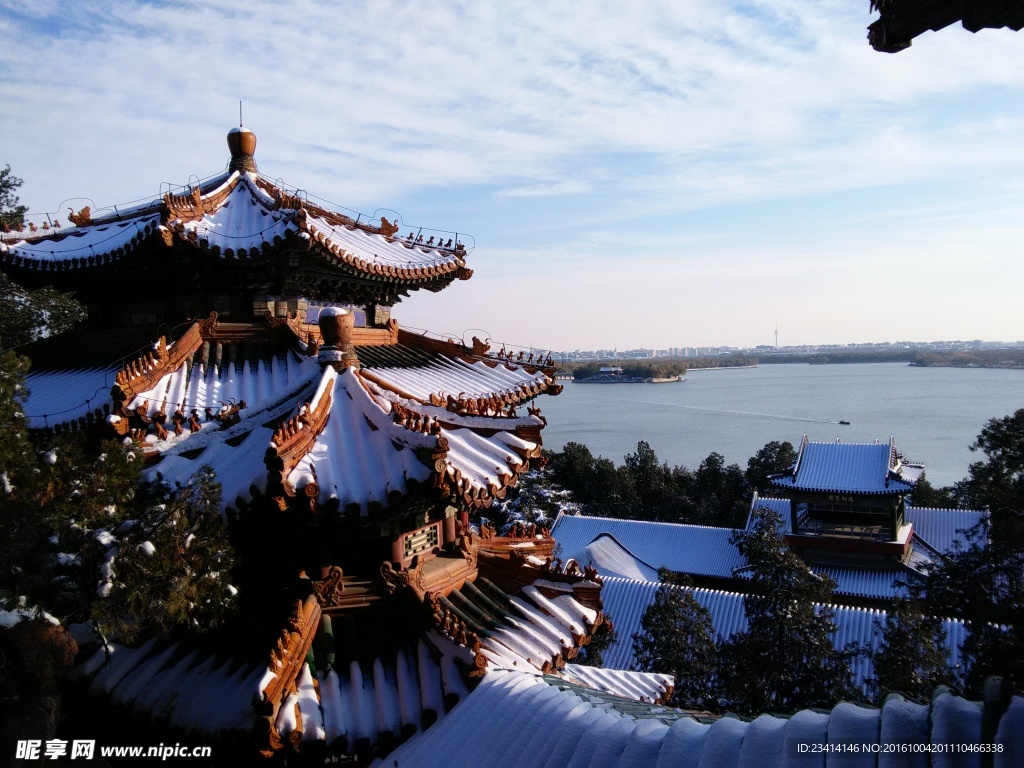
725, 349
630, 176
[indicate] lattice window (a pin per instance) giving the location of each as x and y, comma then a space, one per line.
422, 540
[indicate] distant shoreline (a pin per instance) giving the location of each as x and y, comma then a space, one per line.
722, 368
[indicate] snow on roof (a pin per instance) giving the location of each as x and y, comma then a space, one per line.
456, 377
866, 582
59, 396
104, 241
505, 710
612, 559
849, 468
377, 249
486, 462
236, 454
191, 387
362, 454
941, 528
625, 602
640, 686
246, 219
695, 549
161, 682
781, 507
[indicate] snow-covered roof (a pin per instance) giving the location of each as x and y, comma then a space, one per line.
79, 247
941, 528
529, 721
853, 468
205, 693
362, 454
536, 628
360, 702
199, 386
60, 396
612, 559
695, 549
429, 377
639, 686
878, 582
781, 507
238, 216
625, 602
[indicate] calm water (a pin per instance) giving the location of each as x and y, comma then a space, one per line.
934, 413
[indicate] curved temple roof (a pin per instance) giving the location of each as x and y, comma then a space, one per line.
856, 468
526, 720
240, 215
356, 437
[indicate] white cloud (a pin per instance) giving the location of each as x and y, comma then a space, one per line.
590, 130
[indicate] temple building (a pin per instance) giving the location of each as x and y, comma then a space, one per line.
241, 324
847, 510
247, 326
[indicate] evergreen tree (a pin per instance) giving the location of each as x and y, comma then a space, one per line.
911, 655
12, 215
982, 580
785, 660
677, 638
29, 315
982, 584
773, 458
81, 537
22, 530
172, 566
997, 483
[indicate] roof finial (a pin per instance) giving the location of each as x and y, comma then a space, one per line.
242, 143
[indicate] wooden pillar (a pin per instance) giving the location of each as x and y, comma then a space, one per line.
398, 550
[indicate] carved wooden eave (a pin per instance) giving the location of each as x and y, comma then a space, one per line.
541, 544
338, 255
290, 443
286, 660
301, 341
435, 573
452, 623
480, 350
308, 228
195, 204
141, 374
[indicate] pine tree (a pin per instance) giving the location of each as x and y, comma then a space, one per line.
82, 537
22, 531
12, 214
28, 315
172, 565
785, 660
677, 638
911, 655
982, 580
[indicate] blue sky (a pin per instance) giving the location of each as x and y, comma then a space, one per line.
634, 174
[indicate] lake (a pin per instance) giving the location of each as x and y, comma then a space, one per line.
934, 413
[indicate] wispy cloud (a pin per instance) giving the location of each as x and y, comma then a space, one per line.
576, 128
